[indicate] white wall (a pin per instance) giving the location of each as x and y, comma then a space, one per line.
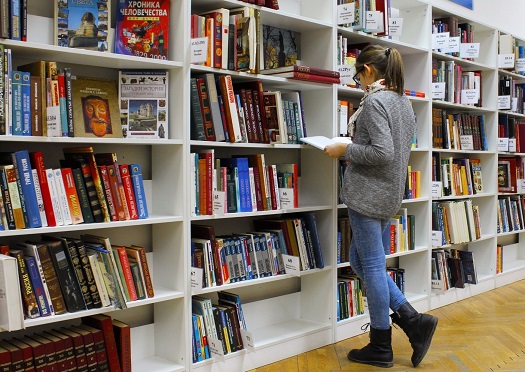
505, 15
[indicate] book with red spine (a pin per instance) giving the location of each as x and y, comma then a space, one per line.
37, 162
72, 196
128, 276
145, 270
27, 354
230, 108
38, 351
128, 191
122, 333
108, 192
100, 346
79, 348
62, 347
89, 345
110, 159
104, 323
120, 205
304, 69
297, 75
49, 352
15, 354
5, 360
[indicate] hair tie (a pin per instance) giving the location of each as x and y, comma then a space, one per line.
387, 52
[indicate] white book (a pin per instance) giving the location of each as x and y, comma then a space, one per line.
252, 189
54, 197
39, 198
99, 279
62, 196
11, 309
320, 142
305, 263
276, 186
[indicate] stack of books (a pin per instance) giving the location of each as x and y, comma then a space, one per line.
306, 73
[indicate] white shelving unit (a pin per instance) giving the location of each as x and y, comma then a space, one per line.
287, 315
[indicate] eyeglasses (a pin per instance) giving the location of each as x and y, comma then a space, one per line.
356, 77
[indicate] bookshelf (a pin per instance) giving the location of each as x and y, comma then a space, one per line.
286, 315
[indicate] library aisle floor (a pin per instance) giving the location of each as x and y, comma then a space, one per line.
481, 333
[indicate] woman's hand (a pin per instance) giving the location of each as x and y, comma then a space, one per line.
335, 150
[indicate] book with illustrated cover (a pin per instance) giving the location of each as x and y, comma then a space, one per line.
280, 46
142, 28
96, 110
143, 97
82, 24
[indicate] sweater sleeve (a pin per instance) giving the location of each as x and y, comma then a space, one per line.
372, 123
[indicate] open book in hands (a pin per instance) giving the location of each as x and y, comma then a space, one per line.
321, 142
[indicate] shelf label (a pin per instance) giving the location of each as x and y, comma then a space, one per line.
453, 45
436, 189
219, 202
215, 346
196, 278
199, 49
503, 144
440, 40
505, 60
247, 340
503, 102
466, 142
438, 90
395, 26
345, 13
469, 50
373, 20
512, 144
514, 104
520, 65
287, 198
291, 265
346, 73
437, 238
520, 183
469, 96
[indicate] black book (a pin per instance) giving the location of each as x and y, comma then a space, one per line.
456, 272
311, 226
197, 121
469, 267
88, 272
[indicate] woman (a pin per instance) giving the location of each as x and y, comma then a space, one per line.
382, 129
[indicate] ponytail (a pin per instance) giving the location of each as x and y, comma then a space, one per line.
388, 65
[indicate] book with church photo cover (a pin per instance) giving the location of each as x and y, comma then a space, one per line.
143, 101
82, 24
95, 108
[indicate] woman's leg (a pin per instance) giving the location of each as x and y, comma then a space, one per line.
396, 296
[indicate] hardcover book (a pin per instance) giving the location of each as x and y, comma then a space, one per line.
281, 47
143, 97
96, 110
82, 24
142, 28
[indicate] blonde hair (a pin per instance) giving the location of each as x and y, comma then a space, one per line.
387, 63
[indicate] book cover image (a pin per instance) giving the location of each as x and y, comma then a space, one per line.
281, 47
142, 28
143, 98
82, 24
95, 107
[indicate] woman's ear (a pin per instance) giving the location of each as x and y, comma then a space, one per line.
369, 71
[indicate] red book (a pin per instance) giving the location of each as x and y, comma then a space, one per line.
27, 354
5, 360
272, 4
49, 352
145, 269
107, 191
273, 187
104, 323
392, 239
73, 200
89, 345
69, 363
38, 351
37, 162
298, 68
308, 77
123, 339
128, 276
16, 355
120, 204
208, 181
128, 191
100, 346
60, 350
79, 348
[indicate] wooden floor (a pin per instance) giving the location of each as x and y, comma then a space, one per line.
482, 333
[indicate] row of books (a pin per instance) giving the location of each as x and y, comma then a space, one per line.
402, 232
412, 184
458, 176
222, 321
371, 16
452, 268
510, 213
99, 343
510, 94
458, 131
13, 20
462, 87
513, 129
509, 45
451, 28
457, 221
398, 276
87, 188
241, 184
510, 170
344, 237
59, 275
256, 254
244, 112
349, 296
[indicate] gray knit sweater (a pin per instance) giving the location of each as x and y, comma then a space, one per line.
375, 178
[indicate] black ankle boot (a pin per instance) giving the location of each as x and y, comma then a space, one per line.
378, 352
418, 327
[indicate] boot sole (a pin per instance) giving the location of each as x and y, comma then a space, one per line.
428, 337
372, 362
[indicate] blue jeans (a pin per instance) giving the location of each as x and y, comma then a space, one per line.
370, 244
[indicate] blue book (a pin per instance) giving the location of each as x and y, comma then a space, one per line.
138, 188
38, 286
242, 181
26, 104
26, 188
16, 21
311, 226
197, 336
16, 103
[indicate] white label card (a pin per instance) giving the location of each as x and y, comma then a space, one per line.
291, 265
469, 50
437, 238
512, 144
438, 90
345, 13
346, 73
395, 26
503, 144
437, 189
440, 40
374, 20
287, 198
505, 60
453, 45
469, 96
520, 183
196, 278
514, 104
219, 202
503, 102
520, 65
247, 339
199, 49
215, 346
466, 141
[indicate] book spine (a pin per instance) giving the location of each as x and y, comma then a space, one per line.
204, 101
88, 274
14, 197
197, 122
72, 196
128, 190
62, 196
53, 195
76, 262
115, 192
39, 197
62, 102
28, 295
25, 182
230, 108
83, 197
69, 102
26, 104
36, 106
145, 270
123, 340
214, 107
38, 286
128, 276
16, 25
16, 104
137, 280
108, 192
99, 279
91, 190
121, 191
138, 188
